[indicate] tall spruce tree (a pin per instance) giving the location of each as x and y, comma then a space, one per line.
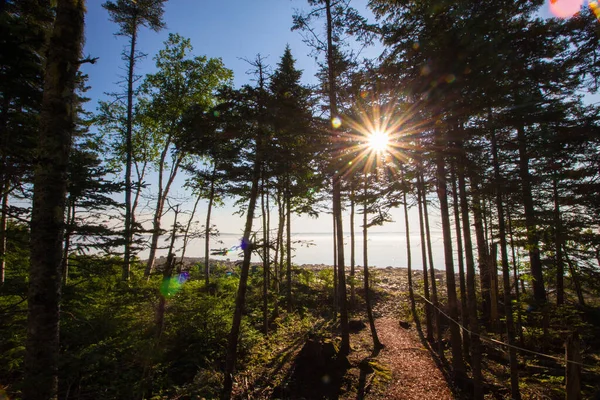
292, 150
50, 185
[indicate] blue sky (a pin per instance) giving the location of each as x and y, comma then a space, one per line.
230, 29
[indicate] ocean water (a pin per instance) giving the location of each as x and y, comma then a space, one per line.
384, 249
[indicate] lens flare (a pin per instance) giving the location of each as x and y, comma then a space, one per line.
379, 140
170, 286
245, 244
565, 8
336, 122
595, 9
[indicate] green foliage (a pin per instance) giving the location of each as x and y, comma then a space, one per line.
130, 15
325, 277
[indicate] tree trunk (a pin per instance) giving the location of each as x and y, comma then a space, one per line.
539, 292
3, 227
211, 201
288, 239
4, 184
139, 186
464, 314
167, 274
160, 206
186, 234
560, 270
159, 317
575, 277
458, 365
519, 327
428, 309
434, 297
470, 284
510, 329
69, 227
240, 299
49, 194
376, 343
352, 249
482, 248
337, 192
278, 252
411, 291
265, 255
493, 263
129, 151
335, 261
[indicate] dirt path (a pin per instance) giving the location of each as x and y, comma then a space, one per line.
414, 373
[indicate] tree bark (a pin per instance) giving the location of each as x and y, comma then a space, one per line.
539, 292
265, 256
475, 341
335, 263
428, 309
69, 227
337, 192
560, 269
211, 201
129, 152
49, 195
482, 248
434, 297
160, 205
278, 250
159, 317
352, 249
575, 277
464, 314
458, 365
3, 227
494, 292
288, 240
186, 234
167, 274
510, 329
240, 300
411, 290
376, 343
519, 326
4, 184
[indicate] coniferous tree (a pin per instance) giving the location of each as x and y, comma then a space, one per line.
245, 114
24, 27
47, 222
339, 18
293, 149
89, 205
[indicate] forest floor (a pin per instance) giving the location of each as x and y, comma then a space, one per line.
406, 368
300, 362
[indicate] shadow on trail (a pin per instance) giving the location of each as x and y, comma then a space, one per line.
317, 373
366, 370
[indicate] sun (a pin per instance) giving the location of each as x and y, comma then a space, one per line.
379, 141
